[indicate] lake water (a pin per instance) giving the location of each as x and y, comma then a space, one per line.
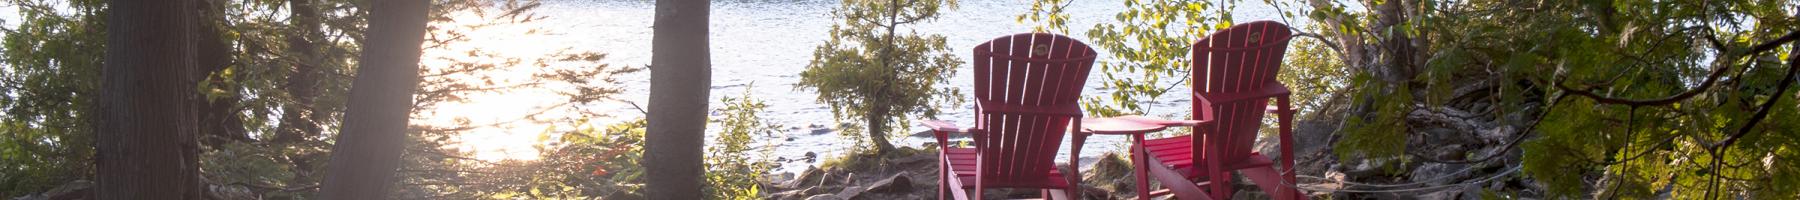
768, 43
761, 43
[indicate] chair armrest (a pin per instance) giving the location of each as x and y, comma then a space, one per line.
1071, 110
1165, 122
1270, 90
941, 130
943, 126
1278, 110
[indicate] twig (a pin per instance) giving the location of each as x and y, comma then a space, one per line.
1763, 112
640, 109
1703, 87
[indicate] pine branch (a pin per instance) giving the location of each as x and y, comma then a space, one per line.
1763, 112
1704, 86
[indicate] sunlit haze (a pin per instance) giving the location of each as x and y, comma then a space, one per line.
501, 128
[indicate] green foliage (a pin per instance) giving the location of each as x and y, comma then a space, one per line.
584, 163
1376, 137
1316, 78
1150, 43
51, 60
1564, 71
1566, 57
53, 53
868, 71
730, 172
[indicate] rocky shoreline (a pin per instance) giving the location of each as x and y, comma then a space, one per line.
912, 173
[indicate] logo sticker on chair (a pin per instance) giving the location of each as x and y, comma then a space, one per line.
1255, 38
1040, 50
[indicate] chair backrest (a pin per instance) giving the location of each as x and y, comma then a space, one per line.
1029, 69
1242, 58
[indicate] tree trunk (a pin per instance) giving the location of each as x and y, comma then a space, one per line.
147, 147
1354, 55
878, 129
877, 118
680, 76
368, 148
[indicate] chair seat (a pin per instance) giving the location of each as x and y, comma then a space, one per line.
1178, 153
962, 163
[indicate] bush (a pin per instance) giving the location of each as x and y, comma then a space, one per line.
730, 172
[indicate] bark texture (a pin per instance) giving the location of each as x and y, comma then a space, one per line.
368, 148
147, 147
680, 75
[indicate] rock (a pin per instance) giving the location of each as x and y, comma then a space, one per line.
1440, 195
1438, 174
815, 190
77, 189
790, 194
825, 197
231, 192
1312, 136
851, 192
914, 158
1498, 135
899, 183
806, 178
922, 134
1471, 193
800, 193
1367, 168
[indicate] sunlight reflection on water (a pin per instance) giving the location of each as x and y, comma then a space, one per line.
767, 44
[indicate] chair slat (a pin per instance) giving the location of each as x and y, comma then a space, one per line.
1240, 59
1035, 70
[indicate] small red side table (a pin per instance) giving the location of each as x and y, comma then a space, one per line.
1128, 125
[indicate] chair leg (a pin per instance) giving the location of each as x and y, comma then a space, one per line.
978, 192
1286, 121
1220, 178
1074, 181
943, 183
1140, 168
1075, 193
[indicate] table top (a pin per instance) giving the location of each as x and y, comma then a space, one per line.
1118, 126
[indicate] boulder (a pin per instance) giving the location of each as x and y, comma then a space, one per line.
851, 192
809, 177
800, 193
1438, 174
78, 189
825, 197
230, 192
899, 183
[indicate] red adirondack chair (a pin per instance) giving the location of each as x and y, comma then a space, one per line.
1026, 87
1234, 78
